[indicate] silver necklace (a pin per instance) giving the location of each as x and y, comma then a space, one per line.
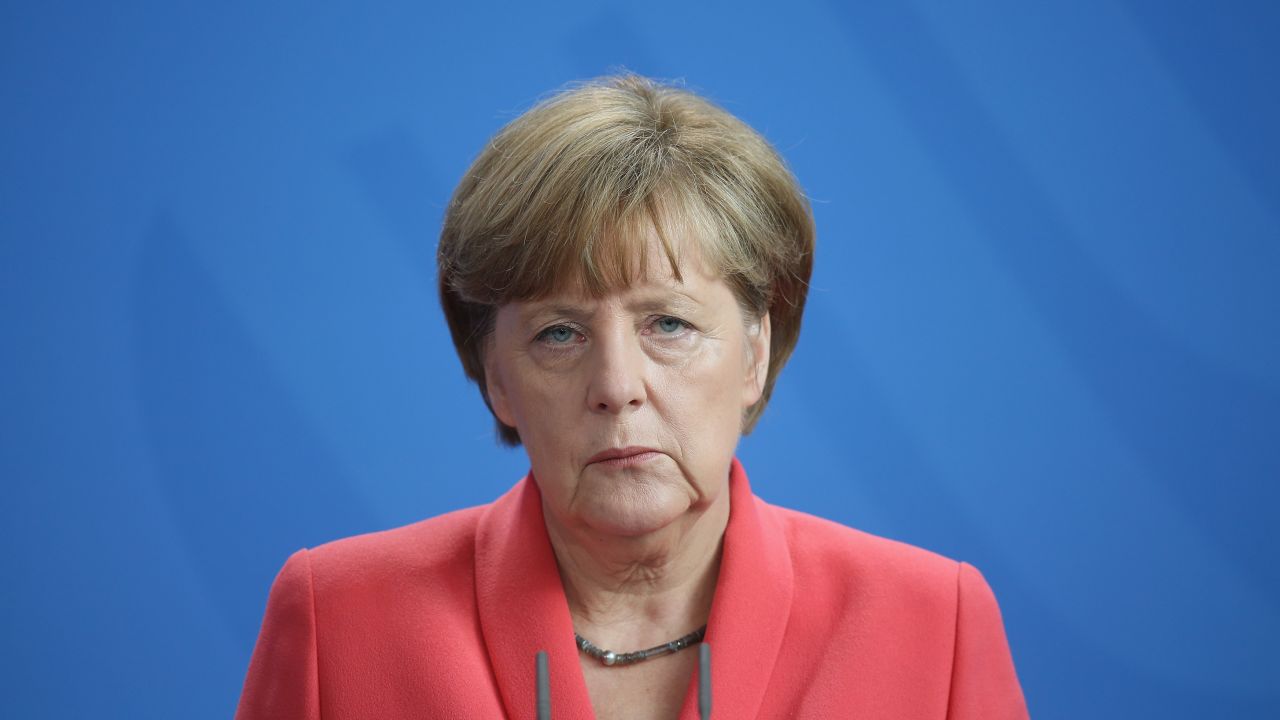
609, 657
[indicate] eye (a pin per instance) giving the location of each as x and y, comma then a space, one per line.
557, 335
670, 325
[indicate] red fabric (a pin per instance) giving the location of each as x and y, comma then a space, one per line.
443, 618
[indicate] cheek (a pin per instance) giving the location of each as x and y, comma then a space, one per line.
539, 400
707, 389
547, 407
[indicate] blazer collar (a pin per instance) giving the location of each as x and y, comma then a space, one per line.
522, 606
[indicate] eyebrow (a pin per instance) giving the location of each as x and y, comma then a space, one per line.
669, 301
572, 312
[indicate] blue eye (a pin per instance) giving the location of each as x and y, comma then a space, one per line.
670, 325
557, 334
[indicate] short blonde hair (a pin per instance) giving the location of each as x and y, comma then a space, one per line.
569, 191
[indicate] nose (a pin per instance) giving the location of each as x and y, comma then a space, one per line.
617, 379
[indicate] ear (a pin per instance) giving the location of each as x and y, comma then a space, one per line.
759, 334
496, 389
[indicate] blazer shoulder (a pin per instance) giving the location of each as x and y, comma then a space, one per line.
921, 615
826, 552
444, 544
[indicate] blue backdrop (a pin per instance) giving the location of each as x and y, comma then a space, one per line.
1042, 335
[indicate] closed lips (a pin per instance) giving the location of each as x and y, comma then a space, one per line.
617, 453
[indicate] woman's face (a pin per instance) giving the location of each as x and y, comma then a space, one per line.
629, 405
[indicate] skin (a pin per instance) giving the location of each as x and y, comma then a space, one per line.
662, 364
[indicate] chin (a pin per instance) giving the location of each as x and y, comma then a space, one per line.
632, 520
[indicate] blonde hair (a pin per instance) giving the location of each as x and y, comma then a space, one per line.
568, 192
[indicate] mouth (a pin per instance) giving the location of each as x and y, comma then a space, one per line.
623, 457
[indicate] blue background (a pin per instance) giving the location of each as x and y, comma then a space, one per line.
1042, 335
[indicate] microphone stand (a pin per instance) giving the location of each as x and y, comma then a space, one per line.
544, 687
704, 681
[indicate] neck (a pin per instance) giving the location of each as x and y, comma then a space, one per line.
628, 593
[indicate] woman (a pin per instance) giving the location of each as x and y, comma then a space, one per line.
623, 270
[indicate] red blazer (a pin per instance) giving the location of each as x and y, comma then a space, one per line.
443, 619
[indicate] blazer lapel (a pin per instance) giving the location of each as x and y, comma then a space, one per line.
522, 607
750, 608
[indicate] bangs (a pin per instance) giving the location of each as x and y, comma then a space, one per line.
612, 253
580, 245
